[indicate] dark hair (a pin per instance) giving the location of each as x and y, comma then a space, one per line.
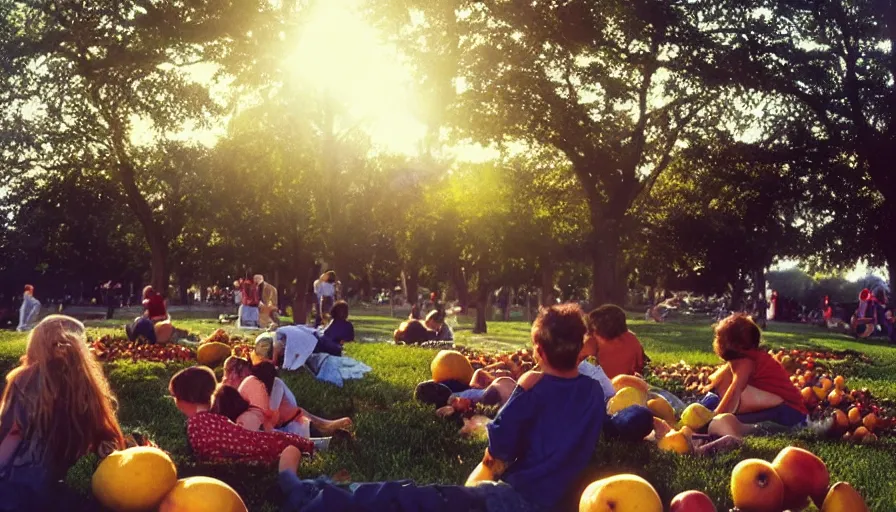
413, 331
436, 315
266, 372
339, 311
735, 335
608, 321
227, 401
560, 332
330, 276
194, 385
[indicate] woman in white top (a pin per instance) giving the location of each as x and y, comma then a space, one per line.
325, 291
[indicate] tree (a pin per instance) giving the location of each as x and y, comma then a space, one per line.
607, 83
835, 59
77, 78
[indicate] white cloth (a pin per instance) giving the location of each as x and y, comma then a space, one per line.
326, 289
597, 373
335, 369
237, 297
28, 313
300, 343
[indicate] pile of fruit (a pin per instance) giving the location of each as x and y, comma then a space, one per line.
795, 477
511, 364
114, 487
108, 349
851, 414
240, 346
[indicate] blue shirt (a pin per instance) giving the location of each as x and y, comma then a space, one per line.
340, 330
547, 435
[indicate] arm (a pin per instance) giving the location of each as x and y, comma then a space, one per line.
741, 369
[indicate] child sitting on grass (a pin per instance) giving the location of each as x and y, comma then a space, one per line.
56, 408
619, 351
753, 386
214, 437
540, 442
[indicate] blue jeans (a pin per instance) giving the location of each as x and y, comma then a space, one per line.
399, 496
782, 415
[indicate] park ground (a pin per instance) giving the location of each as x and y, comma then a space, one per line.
400, 439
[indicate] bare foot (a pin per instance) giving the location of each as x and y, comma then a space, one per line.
334, 425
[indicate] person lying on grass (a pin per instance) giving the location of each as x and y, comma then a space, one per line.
619, 351
273, 401
413, 332
540, 442
214, 437
753, 385
435, 321
56, 408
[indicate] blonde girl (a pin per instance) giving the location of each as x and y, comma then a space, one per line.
56, 408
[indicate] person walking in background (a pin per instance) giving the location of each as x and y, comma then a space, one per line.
29, 311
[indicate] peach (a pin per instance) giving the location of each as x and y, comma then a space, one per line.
835, 397
692, 501
854, 415
804, 476
839, 382
756, 486
870, 421
843, 498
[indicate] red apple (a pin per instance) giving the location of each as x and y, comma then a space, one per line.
804, 476
692, 501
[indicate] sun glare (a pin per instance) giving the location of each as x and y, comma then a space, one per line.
342, 55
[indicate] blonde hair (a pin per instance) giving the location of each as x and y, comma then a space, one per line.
72, 411
234, 364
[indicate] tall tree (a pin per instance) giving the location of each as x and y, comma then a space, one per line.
607, 83
78, 78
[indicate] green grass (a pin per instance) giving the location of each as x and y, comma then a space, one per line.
398, 439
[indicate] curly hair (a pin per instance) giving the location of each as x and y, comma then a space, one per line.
735, 335
560, 332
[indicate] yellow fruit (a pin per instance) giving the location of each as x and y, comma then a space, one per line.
662, 410
756, 487
843, 498
820, 393
212, 354
675, 442
696, 416
620, 493
839, 382
854, 415
202, 494
826, 384
625, 398
135, 479
835, 397
870, 421
451, 365
630, 381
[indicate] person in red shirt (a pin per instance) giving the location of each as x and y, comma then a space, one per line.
753, 386
619, 351
214, 437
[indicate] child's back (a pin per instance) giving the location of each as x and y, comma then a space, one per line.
547, 434
622, 355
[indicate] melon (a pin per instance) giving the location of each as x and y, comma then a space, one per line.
202, 494
662, 410
212, 354
625, 398
135, 479
630, 381
451, 365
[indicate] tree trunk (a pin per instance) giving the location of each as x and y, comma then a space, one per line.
183, 283
304, 272
411, 286
481, 326
459, 280
547, 282
608, 285
159, 248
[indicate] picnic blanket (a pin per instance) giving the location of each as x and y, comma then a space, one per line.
336, 369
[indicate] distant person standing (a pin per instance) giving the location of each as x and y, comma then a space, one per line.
326, 295
29, 311
248, 316
267, 304
237, 295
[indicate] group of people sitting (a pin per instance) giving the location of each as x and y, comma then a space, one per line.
57, 407
414, 331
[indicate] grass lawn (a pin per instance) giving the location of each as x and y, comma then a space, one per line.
398, 439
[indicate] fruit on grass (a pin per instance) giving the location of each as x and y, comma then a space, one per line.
620, 493
804, 476
625, 398
841, 422
696, 416
675, 441
835, 397
756, 487
808, 395
839, 382
826, 384
859, 434
870, 421
843, 498
868, 439
202, 494
212, 354
692, 501
630, 381
854, 415
661, 409
451, 365
820, 393
115, 481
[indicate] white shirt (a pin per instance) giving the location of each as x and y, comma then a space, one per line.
326, 289
300, 343
597, 373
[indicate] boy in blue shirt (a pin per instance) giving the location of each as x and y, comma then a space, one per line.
539, 444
